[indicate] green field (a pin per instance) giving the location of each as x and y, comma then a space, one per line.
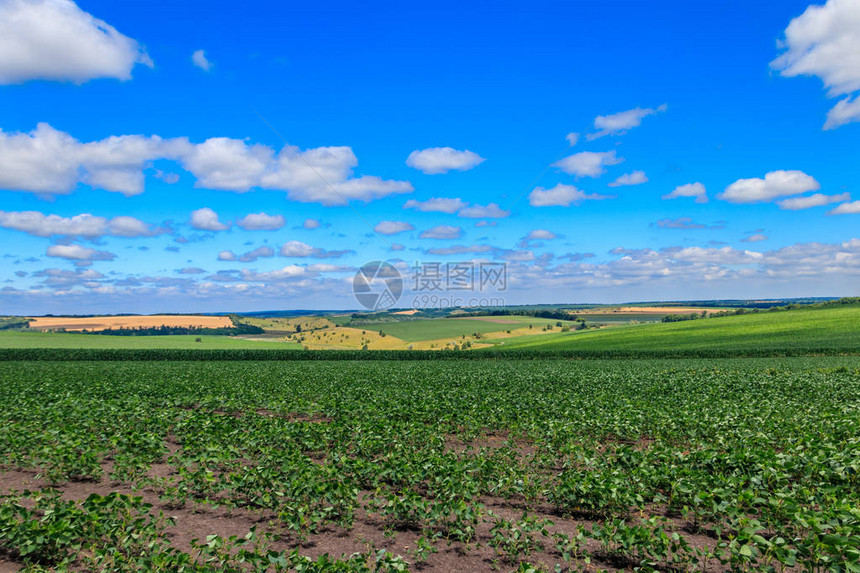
180, 341
834, 328
435, 329
431, 466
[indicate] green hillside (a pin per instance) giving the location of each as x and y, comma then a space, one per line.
831, 327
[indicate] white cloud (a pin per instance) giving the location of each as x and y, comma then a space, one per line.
437, 205
49, 161
206, 219
227, 164
84, 225
198, 58
758, 237
459, 250
397, 247
79, 253
572, 138
814, 200
852, 208
588, 163
125, 226
249, 257
696, 190
561, 195
393, 227
541, 235
824, 41
491, 211
261, 222
324, 175
53, 162
435, 160
311, 224
288, 273
680, 223
301, 250
56, 40
845, 111
634, 178
442, 232
775, 184
619, 123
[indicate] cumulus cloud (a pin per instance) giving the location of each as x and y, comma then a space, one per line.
249, 257
852, 208
533, 238
758, 237
261, 222
299, 249
845, 111
311, 224
437, 205
572, 138
491, 211
442, 232
814, 200
53, 162
393, 227
460, 250
824, 41
696, 190
85, 225
199, 59
49, 161
206, 219
634, 178
775, 184
57, 41
561, 196
619, 123
435, 160
541, 235
397, 247
588, 163
680, 223
81, 255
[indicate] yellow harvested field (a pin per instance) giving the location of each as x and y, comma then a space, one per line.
116, 322
651, 310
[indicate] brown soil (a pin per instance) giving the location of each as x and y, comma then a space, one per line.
197, 520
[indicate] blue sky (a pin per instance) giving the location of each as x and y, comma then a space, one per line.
714, 156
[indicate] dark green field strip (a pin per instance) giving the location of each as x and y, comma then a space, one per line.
69, 354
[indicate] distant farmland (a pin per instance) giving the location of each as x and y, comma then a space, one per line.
96, 323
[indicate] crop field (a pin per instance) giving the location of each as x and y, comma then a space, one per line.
831, 328
433, 465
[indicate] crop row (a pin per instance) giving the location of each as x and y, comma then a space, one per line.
661, 465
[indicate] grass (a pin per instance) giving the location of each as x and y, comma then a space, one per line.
436, 329
829, 327
70, 340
